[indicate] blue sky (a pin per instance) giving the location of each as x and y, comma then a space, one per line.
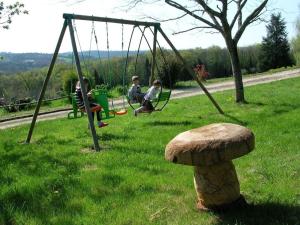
38, 31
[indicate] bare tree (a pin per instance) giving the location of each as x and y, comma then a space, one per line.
9, 11
214, 15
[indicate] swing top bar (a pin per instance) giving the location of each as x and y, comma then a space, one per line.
110, 20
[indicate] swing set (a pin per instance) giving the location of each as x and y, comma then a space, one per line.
100, 94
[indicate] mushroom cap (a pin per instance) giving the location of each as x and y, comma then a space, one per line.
211, 144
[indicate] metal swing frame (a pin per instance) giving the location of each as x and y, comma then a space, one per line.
68, 23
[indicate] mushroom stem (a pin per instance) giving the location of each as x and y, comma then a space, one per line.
216, 185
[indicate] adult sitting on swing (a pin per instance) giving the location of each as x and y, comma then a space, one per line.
95, 108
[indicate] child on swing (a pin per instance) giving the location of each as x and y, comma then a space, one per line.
150, 95
95, 108
135, 94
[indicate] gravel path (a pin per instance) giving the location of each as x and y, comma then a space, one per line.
178, 93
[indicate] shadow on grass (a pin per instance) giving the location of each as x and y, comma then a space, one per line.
262, 214
151, 169
285, 108
108, 137
49, 139
35, 181
122, 191
169, 123
278, 108
257, 103
236, 120
43, 195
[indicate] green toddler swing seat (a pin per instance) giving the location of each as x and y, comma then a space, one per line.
100, 97
75, 113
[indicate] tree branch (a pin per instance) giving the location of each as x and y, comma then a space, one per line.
224, 9
170, 19
134, 3
212, 13
209, 10
190, 29
238, 13
249, 20
182, 8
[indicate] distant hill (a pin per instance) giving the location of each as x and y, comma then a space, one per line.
16, 62
11, 63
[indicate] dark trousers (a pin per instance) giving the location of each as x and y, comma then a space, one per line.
98, 115
147, 105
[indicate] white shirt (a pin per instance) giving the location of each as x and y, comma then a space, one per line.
151, 93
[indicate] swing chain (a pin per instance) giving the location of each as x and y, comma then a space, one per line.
107, 43
122, 37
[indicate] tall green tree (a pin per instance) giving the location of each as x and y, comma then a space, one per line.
275, 48
7, 12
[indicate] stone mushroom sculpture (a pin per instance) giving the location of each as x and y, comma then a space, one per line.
210, 150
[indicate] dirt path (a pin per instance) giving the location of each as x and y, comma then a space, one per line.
178, 93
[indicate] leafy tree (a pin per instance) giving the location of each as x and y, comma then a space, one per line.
69, 80
97, 78
9, 11
275, 49
249, 58
169, 69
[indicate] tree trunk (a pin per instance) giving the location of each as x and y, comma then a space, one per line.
236, 70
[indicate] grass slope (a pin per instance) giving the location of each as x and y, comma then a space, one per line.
57, 180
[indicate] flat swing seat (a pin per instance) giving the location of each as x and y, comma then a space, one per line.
93, 109
121, 112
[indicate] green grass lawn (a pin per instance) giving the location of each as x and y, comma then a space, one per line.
57, 179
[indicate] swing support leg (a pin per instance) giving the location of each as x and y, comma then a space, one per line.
190, 71
82, 85
67, 22
42, 93
153, 57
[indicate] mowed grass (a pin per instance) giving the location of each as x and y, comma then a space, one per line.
58, 180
